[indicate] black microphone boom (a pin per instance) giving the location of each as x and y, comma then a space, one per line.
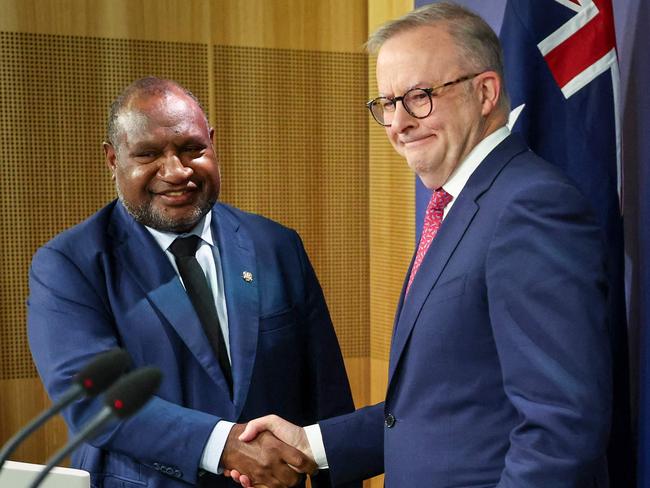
124, 398
94, 378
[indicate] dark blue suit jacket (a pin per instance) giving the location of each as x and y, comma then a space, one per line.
499, 366
107, 283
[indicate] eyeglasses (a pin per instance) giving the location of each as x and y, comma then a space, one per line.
418, 102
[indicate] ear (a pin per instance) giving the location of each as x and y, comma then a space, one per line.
214, 149
489, 89
110, 157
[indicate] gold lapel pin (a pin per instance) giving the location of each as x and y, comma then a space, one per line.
247, 276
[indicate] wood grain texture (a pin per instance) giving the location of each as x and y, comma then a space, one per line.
381, 11
335, 25
152, 20
21, 401
358, 370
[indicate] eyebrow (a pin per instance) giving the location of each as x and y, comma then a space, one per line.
419, 84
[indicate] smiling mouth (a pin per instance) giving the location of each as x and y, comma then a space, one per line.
416, 141
176, 197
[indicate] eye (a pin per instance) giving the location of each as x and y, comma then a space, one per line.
386, 104
193, 148
192, 151
145, 155
417, 97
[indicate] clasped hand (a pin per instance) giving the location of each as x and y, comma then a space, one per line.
267, 452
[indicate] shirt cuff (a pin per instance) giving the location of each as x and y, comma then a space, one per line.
315, 439
211, 459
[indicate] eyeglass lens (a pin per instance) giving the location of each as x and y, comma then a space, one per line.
417, 102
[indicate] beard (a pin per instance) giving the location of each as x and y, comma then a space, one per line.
146, 215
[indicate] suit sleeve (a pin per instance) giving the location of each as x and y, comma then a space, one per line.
547, 297
354, 444
69, 322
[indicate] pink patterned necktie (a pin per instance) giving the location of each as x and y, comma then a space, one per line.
432, 220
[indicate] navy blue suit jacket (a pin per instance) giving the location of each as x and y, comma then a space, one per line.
499, 365
107, 283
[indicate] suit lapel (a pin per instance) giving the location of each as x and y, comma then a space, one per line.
449, 235
447, 239
150, 268
238, 257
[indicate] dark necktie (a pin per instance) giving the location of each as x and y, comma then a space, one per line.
196, 285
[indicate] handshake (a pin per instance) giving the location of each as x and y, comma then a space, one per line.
267, 452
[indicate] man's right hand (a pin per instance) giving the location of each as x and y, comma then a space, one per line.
285, 431
267, 461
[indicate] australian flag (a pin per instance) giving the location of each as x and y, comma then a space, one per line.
562, 77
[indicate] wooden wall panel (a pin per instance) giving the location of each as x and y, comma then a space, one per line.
22, 400
292, 135
62, 61
332, 25
153, 20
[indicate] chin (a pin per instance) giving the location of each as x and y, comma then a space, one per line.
428, 183
429, 177
420, 168
158, 219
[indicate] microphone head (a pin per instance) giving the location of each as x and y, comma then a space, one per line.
132, 391
102, 371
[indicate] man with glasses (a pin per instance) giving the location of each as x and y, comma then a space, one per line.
499, 368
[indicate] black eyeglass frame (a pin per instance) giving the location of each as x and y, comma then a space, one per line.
428, 91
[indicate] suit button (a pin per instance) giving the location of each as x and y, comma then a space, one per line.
156, 466
169, 471
177, 473
389, 420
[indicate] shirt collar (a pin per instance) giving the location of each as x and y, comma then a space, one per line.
464, 170
201, 229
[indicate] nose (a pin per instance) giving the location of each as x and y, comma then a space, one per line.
402, 120
172, 170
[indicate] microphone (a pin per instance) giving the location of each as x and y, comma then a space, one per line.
95, 377
122, 400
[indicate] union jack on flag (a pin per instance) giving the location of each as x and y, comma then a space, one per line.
562, 74
563, 80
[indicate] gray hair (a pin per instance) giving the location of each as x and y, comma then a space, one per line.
145, 87
479, 45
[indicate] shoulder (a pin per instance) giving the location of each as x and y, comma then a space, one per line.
259, 226
529, 167
84, 239
271, 241
526, 176
531, 178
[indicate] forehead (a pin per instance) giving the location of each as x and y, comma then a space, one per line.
164, 115
424, 55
